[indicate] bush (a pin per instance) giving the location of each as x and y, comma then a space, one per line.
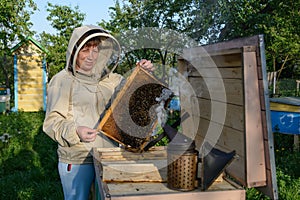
285, 87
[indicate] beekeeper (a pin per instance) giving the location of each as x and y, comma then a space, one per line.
77, 96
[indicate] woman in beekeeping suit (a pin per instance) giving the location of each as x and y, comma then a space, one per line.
77, 97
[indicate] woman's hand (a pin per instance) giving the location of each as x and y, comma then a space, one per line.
86, 134
146, 64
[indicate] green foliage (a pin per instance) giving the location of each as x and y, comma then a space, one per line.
288, 186
64, 20
287, 170
254, 194
278, 20
14, 27
173, 116
219, 20
284, 147
148, 29
285, 87
28, 159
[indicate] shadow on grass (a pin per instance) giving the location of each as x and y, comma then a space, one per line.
28, 162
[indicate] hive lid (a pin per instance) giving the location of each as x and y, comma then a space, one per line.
247, 124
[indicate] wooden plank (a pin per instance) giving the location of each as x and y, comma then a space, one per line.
284, 107
22, 83
150, 171
29, 65
30, 97
231, 60
152, 188
234, 113
207, 51
160, 191
212, 61
211, 88
265, 125
268, 158
117, 158
232, 44
191, 124
31, 73
232, 139
254, 135
34, 103
262, 94
29, 91
229, 140
225, 73
30, 107
117, 154
30, 104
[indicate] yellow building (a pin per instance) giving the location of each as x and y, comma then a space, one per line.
30, 76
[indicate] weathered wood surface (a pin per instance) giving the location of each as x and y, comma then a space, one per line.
119, 165
235, 69
152, 191
129, 175
253, 122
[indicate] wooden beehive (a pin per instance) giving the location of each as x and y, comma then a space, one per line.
30, 76
123, 175
131, 118
246, 128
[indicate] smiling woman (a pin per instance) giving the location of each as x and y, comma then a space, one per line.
88, 55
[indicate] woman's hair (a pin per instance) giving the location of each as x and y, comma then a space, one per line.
95, 41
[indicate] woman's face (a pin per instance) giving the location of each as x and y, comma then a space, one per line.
87, 58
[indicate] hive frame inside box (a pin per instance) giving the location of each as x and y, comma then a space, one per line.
124, 175
138, 81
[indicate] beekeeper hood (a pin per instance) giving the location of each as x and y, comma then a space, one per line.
109, 53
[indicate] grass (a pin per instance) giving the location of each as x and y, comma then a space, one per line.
28, 161
287, 170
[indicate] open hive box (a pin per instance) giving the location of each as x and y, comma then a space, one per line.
131, 118
123, 175
246, 129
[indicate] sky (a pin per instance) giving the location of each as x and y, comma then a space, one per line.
95, 11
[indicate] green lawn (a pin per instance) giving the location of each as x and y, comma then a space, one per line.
28, 159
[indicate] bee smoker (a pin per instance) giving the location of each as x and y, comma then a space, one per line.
182, 161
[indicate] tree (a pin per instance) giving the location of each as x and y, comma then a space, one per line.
147, 29
279, 22
64, 20
14, 27
211, 21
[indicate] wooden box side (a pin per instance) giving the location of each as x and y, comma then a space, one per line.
119, 165
138, 185
229, 134
250, 132
160, 191
253, 120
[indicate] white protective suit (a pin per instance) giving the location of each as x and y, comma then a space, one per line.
75, 99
